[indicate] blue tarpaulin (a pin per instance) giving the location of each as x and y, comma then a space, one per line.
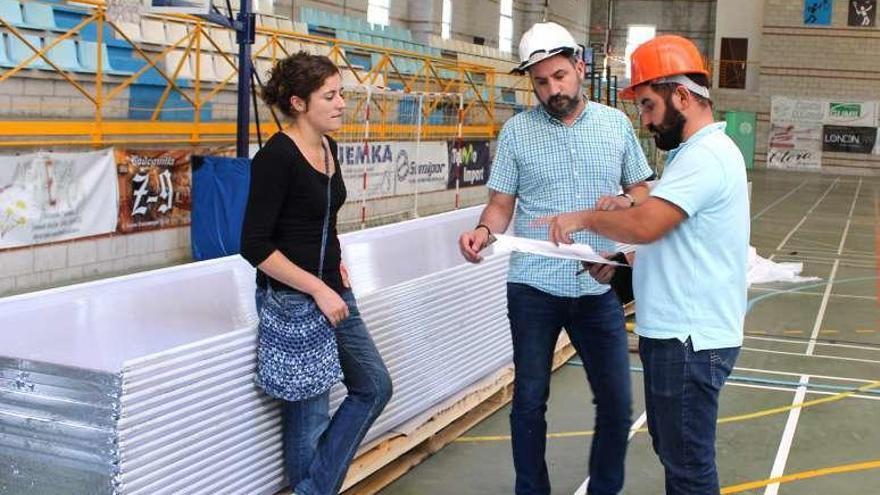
219, 196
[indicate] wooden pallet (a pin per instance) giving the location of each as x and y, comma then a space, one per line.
385, 460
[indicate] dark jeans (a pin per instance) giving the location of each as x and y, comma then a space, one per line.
595, 325
318, 449
681, 397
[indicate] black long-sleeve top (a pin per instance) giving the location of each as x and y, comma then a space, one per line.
285, 211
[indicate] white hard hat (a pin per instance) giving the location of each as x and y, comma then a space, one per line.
541, 41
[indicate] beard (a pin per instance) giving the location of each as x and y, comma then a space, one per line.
668, 134
561, 105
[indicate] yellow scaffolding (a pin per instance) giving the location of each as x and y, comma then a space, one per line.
435, 74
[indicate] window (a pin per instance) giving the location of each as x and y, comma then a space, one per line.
377, 12
505, 26
636, 35
733, 64
446, 22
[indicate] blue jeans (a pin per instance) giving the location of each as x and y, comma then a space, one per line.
681, 397
318, 449
595, 325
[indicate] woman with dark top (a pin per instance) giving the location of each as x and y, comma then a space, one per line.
283, 235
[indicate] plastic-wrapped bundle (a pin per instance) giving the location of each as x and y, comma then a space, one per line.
144, 383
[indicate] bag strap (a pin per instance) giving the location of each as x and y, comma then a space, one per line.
324, 233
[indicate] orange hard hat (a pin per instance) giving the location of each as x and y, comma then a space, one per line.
663, 56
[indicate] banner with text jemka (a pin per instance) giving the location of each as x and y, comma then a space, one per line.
48, 197
391, 168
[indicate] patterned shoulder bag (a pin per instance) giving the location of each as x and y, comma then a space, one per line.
297, 357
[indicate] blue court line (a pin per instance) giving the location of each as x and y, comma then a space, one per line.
760, 298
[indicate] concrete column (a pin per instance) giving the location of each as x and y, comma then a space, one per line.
424, 18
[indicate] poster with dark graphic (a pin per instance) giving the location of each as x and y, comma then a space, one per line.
817, 12
475, 163
154, 188
862, 13
848, 139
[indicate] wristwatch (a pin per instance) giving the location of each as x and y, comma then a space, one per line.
632, 200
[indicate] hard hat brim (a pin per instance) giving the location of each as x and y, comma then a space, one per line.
537, 58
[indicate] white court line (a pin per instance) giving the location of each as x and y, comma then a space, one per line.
789, 373
849, 218
809, 293
582, 490
823, 260
783, 389
818, 201
814, 356
795, 413
820, 318
787, 437
783, 198
828, 344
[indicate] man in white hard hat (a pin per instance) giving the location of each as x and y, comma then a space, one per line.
567, 154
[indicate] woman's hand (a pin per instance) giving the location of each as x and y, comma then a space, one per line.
346, 281
331, 304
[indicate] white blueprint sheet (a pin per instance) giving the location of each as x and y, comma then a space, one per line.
582, 252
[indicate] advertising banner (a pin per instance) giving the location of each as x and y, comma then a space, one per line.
796, 136
794, 159
475, 163
48, 197
392, 168
848, 139
854, 114
154, 188
785, 109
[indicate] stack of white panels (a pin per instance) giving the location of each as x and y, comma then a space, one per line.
144, 384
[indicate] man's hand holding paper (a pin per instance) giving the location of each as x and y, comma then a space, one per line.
571, 251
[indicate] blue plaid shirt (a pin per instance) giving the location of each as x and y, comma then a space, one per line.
552, 168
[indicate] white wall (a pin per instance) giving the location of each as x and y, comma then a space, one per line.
63, 263
38, 267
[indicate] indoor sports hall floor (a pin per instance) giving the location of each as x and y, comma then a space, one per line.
803, 404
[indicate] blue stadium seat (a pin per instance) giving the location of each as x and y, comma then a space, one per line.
10, 11
19, 52
88, 57
39, 15
4, 57
64, 55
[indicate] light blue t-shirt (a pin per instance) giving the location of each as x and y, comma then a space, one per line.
692, 282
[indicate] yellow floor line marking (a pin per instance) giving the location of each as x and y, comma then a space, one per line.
865, 331
728, 419
803, 475
792, 332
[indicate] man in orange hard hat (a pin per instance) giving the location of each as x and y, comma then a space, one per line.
690, 271
565, 154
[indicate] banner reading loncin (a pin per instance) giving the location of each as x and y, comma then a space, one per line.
392, 168
48, 197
